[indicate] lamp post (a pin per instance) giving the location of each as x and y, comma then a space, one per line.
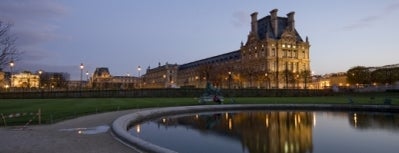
229, 79
197, 80
11, 72
81, 74
267, 81
40, 77
139, 69
164, 80
87, 79
297, 81
87, 75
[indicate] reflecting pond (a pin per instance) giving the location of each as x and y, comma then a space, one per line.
274, 132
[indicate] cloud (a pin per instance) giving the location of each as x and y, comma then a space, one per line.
392, 8
369, 20
30, 9
240, 19
34, 21
362, 23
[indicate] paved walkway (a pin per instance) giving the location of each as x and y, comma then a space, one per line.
63, 137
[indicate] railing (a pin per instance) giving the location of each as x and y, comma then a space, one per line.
162, 92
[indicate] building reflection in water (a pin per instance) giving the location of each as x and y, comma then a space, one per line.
284, 132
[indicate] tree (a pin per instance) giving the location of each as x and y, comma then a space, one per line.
385, 75
359, 75
8, 50
306, 77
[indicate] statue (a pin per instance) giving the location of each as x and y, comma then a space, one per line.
211, 94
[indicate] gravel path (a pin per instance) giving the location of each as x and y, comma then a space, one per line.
64, 137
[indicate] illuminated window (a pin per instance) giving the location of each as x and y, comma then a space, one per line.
273, 52
283, 45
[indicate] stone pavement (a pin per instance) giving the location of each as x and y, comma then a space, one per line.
64, 137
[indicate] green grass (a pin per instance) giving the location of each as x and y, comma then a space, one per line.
54, 110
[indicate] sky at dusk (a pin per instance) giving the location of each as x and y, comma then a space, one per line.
58, 35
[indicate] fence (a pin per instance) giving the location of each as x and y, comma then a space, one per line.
164, 92
29, 116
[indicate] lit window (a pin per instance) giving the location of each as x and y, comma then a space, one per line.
283, 45
289, 46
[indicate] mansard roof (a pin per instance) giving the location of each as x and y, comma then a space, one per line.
234, 55
101, 70
265, 27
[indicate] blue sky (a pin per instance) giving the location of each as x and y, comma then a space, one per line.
58, 35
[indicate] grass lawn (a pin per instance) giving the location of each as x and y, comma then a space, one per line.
54, 110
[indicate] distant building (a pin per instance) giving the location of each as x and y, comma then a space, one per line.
51, 80
328, 81
274, 56
25, 80
102, 79
160, 77
4, 81
213, 69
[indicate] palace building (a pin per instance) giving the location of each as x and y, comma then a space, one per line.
160, 77
274, 56
102, 79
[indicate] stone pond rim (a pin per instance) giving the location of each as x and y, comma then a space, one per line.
120, 126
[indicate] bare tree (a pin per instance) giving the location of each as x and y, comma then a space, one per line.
8, 49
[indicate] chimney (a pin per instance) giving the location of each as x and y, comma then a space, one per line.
291, 21
274, 21
254, 23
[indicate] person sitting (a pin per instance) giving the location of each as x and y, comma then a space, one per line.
216, 99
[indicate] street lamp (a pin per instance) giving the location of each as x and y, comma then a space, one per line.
11, 66
197, 80
87, 75
229, 79
40, 77
267, 81
164, 80
139, 69
297, 81
81, 74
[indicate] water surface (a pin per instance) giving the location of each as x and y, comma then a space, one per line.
274, 132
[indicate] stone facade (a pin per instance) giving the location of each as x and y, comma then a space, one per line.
274, 56
328, 81
219, 70
164, 76
102, 79
274, 53
25, 80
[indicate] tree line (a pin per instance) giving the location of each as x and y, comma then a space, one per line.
371, 75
